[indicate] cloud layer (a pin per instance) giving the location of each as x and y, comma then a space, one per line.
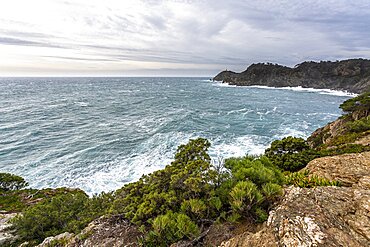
148, 37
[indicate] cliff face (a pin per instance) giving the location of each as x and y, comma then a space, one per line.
351, 75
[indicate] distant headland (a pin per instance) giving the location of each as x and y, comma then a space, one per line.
352, 75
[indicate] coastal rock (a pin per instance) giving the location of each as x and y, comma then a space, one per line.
6, 235
351, 75
327, 133
61, 238
346, 168
109, 231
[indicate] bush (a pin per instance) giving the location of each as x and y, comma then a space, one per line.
290, 153
360, 125
359, 103
305, 180
344, 149
68, 212
9, 182
189, 176
170, 228
254, 184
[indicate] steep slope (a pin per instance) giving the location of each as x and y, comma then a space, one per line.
351, 75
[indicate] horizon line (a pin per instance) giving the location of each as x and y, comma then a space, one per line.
102, 76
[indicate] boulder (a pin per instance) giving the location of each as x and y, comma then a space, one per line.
346, 168
6, 234
61, 239
107, 231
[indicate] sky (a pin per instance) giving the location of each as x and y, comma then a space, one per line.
175, 37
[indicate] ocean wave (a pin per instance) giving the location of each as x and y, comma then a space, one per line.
240, 146
311, 90
151, 155
222, 84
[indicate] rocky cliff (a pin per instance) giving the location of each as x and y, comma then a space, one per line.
351, 75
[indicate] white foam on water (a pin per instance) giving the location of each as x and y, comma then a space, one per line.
152, 155
288, 131
312, 90
222, 84
240, 146
240, 111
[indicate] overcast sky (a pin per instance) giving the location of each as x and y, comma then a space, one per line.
185, 38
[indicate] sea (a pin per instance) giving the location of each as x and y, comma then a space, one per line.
98, 134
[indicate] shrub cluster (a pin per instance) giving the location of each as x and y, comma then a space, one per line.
306, 180
9, 182
290, 153
359, 103
64, 212
359, 125
180, 200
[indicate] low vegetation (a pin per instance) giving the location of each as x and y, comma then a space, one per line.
191, 190
306, 180
290, 153
66, 212
9, 182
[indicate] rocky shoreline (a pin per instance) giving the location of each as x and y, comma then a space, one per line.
352, 75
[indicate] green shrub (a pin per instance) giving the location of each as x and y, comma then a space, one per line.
343, 149
67, 212
271, 190
359, 103
18, 200
9, 182
189, 176
290, 153
170, 228
360, 125
306, 180
261, 215
254, 183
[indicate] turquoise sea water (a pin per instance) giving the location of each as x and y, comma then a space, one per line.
99, 133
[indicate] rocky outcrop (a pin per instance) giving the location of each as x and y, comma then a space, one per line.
349, 169
351, 75
322, 216
6, 234
328, 133
110, 231
60, 239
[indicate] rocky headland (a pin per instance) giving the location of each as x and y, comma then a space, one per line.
352, 75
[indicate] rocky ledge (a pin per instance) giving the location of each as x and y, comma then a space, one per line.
322, 216
351, 75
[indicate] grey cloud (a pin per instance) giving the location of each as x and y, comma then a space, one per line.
23, 42
12, 41
83, 59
